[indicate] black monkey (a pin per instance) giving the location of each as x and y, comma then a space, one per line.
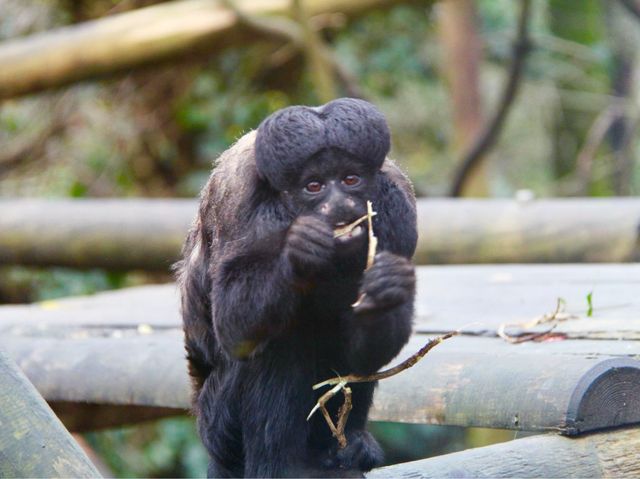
267, 291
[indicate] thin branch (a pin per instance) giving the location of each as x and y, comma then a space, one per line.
632, 7
289, 31
492, 130
340, 384
387, 373
320, 70
595, 137
553, 318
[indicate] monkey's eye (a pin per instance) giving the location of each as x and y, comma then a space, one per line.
314, 187
351, 180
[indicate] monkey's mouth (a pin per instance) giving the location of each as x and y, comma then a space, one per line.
344, 232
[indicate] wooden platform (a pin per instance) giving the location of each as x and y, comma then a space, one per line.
98, 349
118, 356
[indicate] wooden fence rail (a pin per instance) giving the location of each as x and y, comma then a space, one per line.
148, 234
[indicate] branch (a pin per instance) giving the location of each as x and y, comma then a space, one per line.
595, 137
291, 32
319, 69
173, 30
340, 384
489, 135
632, 7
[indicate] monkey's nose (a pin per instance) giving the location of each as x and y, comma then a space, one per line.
325, 209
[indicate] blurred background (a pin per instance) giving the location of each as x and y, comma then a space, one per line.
486, 98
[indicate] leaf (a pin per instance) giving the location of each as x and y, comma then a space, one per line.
590, 304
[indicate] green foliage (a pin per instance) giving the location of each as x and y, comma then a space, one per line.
53, 283
410, 442
165, 448
590, 304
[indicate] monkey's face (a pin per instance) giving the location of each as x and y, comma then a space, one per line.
335, 187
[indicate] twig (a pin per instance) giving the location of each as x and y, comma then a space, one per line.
319, 69
492, 130
351, 226
373, 246
289, 31
595, 136
556, 317
373, 241
340, 384
632, 7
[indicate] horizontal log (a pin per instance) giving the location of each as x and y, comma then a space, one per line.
608, 454
113, 234
537, 231
120, 42
566, 386
474, 298
33, 442
148, 234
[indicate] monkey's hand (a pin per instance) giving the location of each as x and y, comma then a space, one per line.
361, 454
309, 245
391, 281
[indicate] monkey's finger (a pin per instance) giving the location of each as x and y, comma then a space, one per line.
364, 304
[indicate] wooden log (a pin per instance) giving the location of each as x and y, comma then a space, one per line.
479, 298
113, 234
566, 386
536, 231
608, 454
120, 42
148, 234
33, 442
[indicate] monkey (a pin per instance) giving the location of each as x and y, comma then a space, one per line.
268, 289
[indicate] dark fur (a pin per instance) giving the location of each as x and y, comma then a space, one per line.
267, 310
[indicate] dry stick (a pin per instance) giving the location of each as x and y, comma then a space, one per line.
373, 241
489, 135
373, 246
340, 384
556, 317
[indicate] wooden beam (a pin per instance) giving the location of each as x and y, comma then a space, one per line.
33, 442
148, 234
99, 349
608, 454
128, 40
537, 231
113, 234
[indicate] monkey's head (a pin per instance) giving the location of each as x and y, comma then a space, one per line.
324, 160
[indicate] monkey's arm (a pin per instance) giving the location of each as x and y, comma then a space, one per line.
257, 290
252, 300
